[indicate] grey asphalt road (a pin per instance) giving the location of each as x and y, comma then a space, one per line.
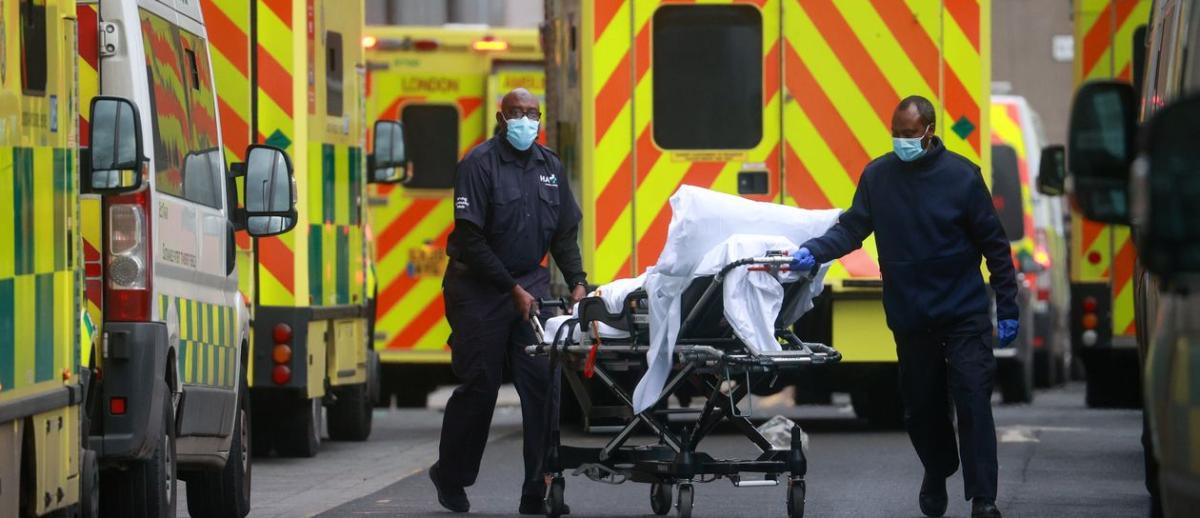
1057, 459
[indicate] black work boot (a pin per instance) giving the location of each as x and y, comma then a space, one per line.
984, 508
452, 498
933, 495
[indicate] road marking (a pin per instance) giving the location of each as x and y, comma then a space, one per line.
1023, 433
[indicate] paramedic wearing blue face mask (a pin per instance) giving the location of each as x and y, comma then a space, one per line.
934, 221
512, 204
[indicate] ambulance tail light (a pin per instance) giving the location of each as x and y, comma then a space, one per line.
128, 279
281, 354
425, 45
369, 42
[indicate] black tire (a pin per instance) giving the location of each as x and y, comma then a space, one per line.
556, 498
374, 387
687, 497
298, 433
795, 499
226, 492
1016, 382
89, 485
350, 418
147, 488
660, 498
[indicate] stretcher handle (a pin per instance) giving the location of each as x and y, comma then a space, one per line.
562, 303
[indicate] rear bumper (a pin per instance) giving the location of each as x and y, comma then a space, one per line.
134, 367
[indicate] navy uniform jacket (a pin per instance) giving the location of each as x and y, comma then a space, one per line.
518, 204
933, 219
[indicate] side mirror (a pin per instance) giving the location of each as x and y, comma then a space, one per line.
1166, 186
270, 204
1100, 149
1052, 170
114, 164
388, 163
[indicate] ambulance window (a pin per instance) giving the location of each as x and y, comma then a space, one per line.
33, 47
1006, 191
431, 138
707, 76
333, 73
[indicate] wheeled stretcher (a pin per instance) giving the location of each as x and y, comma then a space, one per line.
707, 354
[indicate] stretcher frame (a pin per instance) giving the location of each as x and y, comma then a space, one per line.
725, 367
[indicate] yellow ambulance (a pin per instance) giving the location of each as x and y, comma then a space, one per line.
444, 85
46, 335
797, 99
292, 76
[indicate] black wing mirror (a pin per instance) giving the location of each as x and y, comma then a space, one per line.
389, 162
270, 203
114, 159
1166, 186
1100, 150
1052, 170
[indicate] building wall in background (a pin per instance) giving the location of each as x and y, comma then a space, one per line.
498, 13
1022, 35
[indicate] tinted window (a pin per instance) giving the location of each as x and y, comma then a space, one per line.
33, 46
431, 139
1006, 191
185, 123
334, 63
707, 77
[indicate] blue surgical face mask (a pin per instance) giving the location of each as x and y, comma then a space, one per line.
909, 149
521, 132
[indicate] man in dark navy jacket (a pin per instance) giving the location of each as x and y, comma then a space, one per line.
933, 221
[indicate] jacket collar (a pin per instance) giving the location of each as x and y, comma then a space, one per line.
510, 154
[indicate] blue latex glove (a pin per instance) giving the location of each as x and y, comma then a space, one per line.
803, 260
1007, 331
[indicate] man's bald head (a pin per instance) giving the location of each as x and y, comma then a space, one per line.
516, 104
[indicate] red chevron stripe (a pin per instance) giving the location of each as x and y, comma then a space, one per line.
274, 80
812, 99
1122, 267
966, 13
89, 37
771, 66
612, 200
227, 38
391, 295
604, 12
641, 49
400, 227
912, 38
851, 53
430, 316
234, 130
647, 153
1099, 36
282, 9
468, 105
276, 257
1091, 232
800, 184
393, 109
613, 96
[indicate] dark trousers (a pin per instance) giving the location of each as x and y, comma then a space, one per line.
488, 337
957, 364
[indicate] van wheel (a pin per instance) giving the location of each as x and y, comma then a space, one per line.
147, 488
89, 485
299, 431
350, 418
226, 493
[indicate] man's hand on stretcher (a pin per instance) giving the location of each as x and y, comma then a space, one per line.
526, 304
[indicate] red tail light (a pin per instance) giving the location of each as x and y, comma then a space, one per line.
1043, 294
128, 280
281, 374
116, 405
1090, 304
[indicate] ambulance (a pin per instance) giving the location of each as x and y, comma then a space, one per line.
779, 100
444, 85
1152, 178
291, 75
46, 464
1034, 223
170, 398
1103, 257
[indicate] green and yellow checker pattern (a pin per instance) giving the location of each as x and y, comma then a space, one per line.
39, 282
336, 269
207, 340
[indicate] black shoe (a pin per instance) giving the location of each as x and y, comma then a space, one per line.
452, 498
933, 495
535, 504
984, 508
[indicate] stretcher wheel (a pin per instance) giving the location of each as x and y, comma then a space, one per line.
685, 500
660, 498
795, 499
555, 501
